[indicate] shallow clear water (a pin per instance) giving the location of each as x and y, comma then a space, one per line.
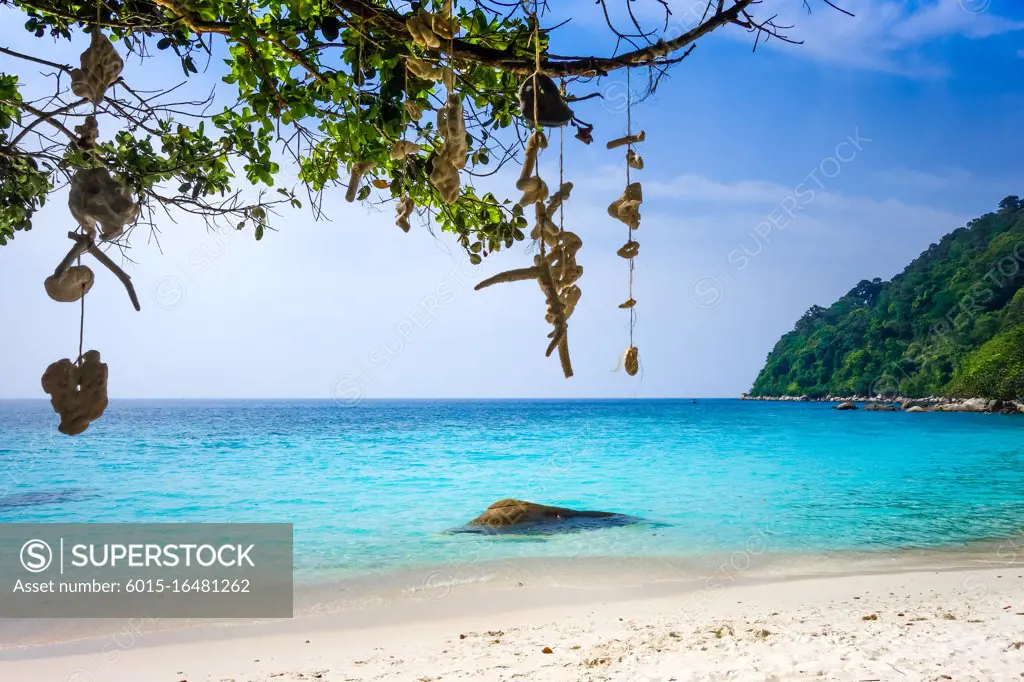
374, 487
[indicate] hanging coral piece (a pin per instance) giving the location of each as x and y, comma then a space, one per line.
421, 29
555, 268
631, 360
61, 284
358, 170
627, 210
96, 198
69, 285
551, 110
445, 177
414, 109
556, 311
629, 250
101, 65
557, 273
421, 69
454, 149
403, 210
533, 187
626, 140
403, 149
444, 25
559, 197
78, 393
627, 207
87, 133
452, 122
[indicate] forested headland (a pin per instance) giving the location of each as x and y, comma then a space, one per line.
950, 324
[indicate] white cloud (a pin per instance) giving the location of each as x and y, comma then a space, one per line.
810, 206
883, 35
953, 17
695, 187
886, 35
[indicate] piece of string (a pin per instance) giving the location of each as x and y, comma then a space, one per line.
538, 131
561, 165
629, 233
561, 178
81, 307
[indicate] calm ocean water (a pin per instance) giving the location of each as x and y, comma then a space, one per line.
374, 488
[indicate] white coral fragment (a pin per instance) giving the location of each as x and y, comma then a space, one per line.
453, 152
627, 207
627, 139
70, 285
631, 359
100, 67
402, 212
98, 199
421, 69
629, 250
533, 187
403, 149
420, 27
357, 175
556, 272
78, 392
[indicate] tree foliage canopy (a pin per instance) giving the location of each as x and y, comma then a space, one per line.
321, 84
952, 323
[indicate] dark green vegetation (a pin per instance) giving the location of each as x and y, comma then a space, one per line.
952, 323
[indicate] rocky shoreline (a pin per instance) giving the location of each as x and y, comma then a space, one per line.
881, 403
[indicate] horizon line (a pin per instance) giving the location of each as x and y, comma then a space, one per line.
394, 398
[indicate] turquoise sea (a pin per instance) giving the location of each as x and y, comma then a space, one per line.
375, 487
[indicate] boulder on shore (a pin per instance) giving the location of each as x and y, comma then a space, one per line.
918, 408
969, 405
846, 406
510, 512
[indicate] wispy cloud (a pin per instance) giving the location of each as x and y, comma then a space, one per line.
883, 35
887, 35
701, 195
923, 180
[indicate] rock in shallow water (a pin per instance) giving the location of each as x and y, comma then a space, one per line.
510, 515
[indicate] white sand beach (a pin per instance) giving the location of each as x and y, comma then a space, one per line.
963, 623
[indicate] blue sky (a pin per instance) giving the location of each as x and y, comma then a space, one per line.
773, 181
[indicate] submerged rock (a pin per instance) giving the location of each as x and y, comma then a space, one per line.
41, 497
846, 406
879, 407
510, 515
